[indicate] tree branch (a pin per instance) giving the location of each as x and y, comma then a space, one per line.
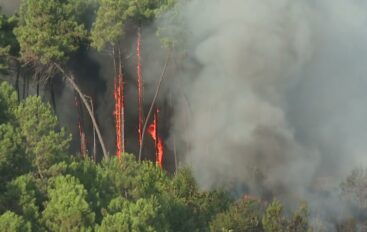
86, 104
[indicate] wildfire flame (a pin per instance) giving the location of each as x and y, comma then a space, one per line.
153, 132
119, 114
140, 87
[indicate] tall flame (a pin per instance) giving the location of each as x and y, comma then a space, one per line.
153, 132
140, 87
119, 113
83, 139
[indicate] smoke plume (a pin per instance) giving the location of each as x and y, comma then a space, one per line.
9, 6
269, 95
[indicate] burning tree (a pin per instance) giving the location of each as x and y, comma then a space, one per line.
108, 31
50, 32
140, 87
159, 147
141, 13
119, 113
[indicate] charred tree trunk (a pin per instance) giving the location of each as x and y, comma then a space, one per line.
70, 79
121, 77
85, 102
24, 86
152, 105
119, 109
38, 85
17, 79
27, 88
82, 136
94, 134
94, 139
174, 141
52, 93
175, 152
139, 85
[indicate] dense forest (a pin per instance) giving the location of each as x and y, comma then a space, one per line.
144, 152
43, 188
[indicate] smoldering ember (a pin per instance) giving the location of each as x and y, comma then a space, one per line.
183, 115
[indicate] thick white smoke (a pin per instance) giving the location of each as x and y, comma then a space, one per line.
276, 87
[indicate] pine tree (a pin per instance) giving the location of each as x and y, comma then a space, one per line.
67, 209
273, 219
9, 47
10, 222
49, 34
39, 127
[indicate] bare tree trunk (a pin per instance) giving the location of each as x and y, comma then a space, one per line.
38, 85
174, 141
52, 93
94, 145
17, 80
24, 85
139, 86
86, 104
152, 105
175, 152
94, 134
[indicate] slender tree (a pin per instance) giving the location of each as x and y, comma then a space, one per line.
141, 13
9, 47
107, 32
10, 222
50, 32
113, 17
38, 126
67, 209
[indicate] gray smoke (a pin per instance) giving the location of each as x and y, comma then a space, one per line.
9, 6
270, 91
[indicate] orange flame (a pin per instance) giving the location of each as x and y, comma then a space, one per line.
159, 155
140, 87
119, 114
153, 132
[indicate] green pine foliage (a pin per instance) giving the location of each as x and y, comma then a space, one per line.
245, 215
50, 30
24, 198
11, 153
8, 102
67, 208
10, 222
109, 25
113, 16
9, 46
44, 189
273, 219
46, 144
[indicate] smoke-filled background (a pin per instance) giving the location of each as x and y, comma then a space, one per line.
9, 6
267, 97
271, 96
